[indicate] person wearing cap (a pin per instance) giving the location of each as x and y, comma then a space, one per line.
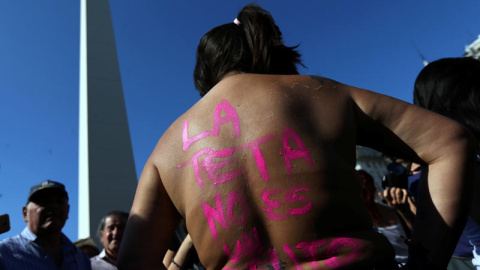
110, 232
42, 245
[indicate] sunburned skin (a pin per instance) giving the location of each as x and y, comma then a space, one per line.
222, 213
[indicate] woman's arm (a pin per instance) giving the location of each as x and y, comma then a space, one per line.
448, 150
151, 224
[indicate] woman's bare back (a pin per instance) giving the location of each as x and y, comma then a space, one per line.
262, 168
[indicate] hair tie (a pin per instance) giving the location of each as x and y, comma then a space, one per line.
236, 21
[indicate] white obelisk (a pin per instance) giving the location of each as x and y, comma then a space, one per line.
106, 173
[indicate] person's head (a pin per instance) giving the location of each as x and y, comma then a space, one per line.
110, 231
88, 246
451, 87
47, 208
251, 44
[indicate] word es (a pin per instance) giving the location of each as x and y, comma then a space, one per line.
234, 200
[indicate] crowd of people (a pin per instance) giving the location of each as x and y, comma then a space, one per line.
260, 173
42, 245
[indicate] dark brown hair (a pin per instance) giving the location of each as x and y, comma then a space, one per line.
255, 45
116, 213
451, 87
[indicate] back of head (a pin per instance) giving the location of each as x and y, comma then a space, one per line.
251, 44
451, 87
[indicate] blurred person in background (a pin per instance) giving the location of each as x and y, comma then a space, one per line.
181, 252
88, 246
110, 232
385, 219
42, 245
451, 87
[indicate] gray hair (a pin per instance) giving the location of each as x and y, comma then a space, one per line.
118, 213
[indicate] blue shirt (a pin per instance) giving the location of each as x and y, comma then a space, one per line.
22, 252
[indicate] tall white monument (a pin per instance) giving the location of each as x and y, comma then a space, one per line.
106, 173
473, 50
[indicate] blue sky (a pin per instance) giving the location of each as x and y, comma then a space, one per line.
368, 44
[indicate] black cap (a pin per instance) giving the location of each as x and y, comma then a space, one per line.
47, 185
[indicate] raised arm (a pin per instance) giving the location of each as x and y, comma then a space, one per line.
448, 150
151, 224
402, 203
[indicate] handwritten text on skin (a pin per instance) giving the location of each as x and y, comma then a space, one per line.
223, 212
212, 167
249, 246
234, 199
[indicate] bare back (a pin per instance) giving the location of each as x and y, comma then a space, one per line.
262, 168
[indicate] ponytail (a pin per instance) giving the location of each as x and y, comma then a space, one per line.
251, 44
